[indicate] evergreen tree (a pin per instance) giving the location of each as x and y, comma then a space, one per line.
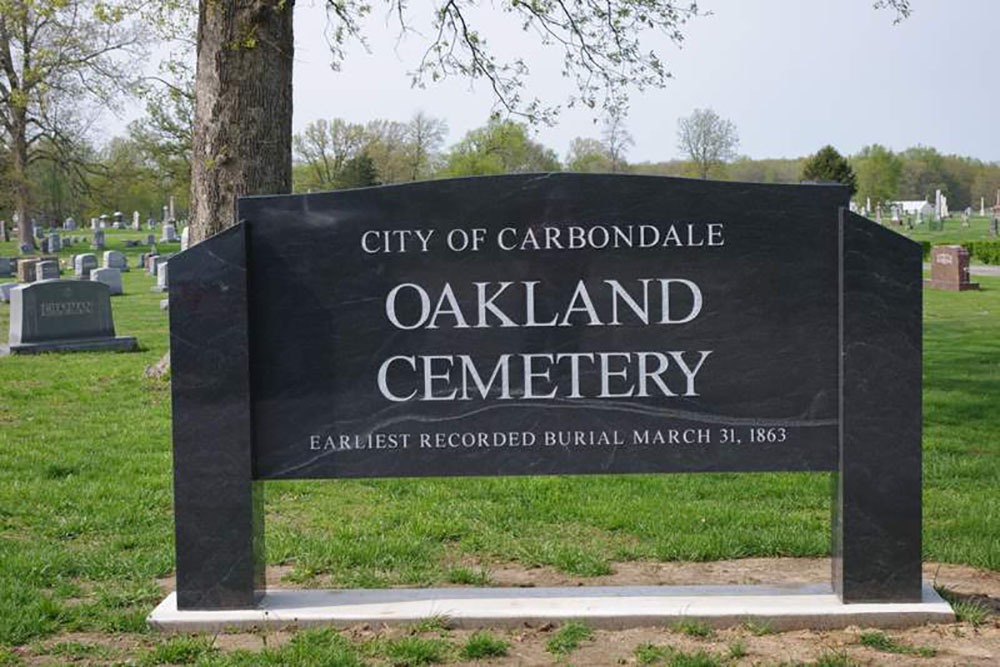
358, 172
829, 165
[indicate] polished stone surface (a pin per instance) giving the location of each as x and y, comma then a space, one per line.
47, 270
62, 315
808, 333
768, 318
781, 608
217, 503
877, 503
950, 269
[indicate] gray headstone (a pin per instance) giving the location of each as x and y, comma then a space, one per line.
83, 265
55, 243
151, 240
6, 267
43, 245
110, 277
4, 232
62, 315
169, 234
162, 281
186, 237
48, 270
115, 260
98, 243
26, 248
5, 289
136, 221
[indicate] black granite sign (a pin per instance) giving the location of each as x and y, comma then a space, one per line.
544, 324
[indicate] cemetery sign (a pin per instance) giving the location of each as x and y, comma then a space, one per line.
547, 324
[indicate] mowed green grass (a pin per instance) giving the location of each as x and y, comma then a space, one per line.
953, 231
85, 489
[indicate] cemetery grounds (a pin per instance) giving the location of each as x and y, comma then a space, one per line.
86, 541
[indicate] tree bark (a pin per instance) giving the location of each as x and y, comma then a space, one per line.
19, 172
243, 108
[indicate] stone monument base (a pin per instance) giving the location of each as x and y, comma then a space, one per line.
791, 607
119, 344
950, 286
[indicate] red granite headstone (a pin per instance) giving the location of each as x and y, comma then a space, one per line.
950, 269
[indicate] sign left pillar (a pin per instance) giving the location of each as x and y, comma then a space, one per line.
218, 506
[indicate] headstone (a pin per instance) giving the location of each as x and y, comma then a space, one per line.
895, 214
4, 232
83, 264
162, 281
151, 223
982, 207
119, 219
950, 269
185, 237
69, 224
171, 210
93, 223
6, 267
136, 221
115, 260
55, 243
98, 243
25, 248
995, 227
798, 324
27, 270
159, 261
43, 245
47, 270
164, 304
102, 221
110, 277
169, 234
62, 315
142, 261
151, 263
150, 240
5, 289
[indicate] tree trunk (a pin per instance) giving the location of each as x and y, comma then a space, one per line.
243, 108
19, 172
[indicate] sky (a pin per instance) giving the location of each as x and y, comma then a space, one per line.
792, 75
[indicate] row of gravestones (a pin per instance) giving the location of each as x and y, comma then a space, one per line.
85, 267
53, 242
48, 314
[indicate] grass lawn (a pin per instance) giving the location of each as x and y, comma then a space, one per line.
85, 496
953, 232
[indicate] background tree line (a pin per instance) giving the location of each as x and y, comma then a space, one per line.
151, 162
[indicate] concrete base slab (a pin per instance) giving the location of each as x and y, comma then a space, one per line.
118, 344
781, 607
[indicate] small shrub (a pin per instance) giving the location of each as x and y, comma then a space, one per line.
737, 649
568, 638
482, 645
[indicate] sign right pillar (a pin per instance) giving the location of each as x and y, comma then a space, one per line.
877, 489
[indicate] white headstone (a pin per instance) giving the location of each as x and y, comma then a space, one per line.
185, 237
110, 277
115, 260
169, 234
136, 221
83, 265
